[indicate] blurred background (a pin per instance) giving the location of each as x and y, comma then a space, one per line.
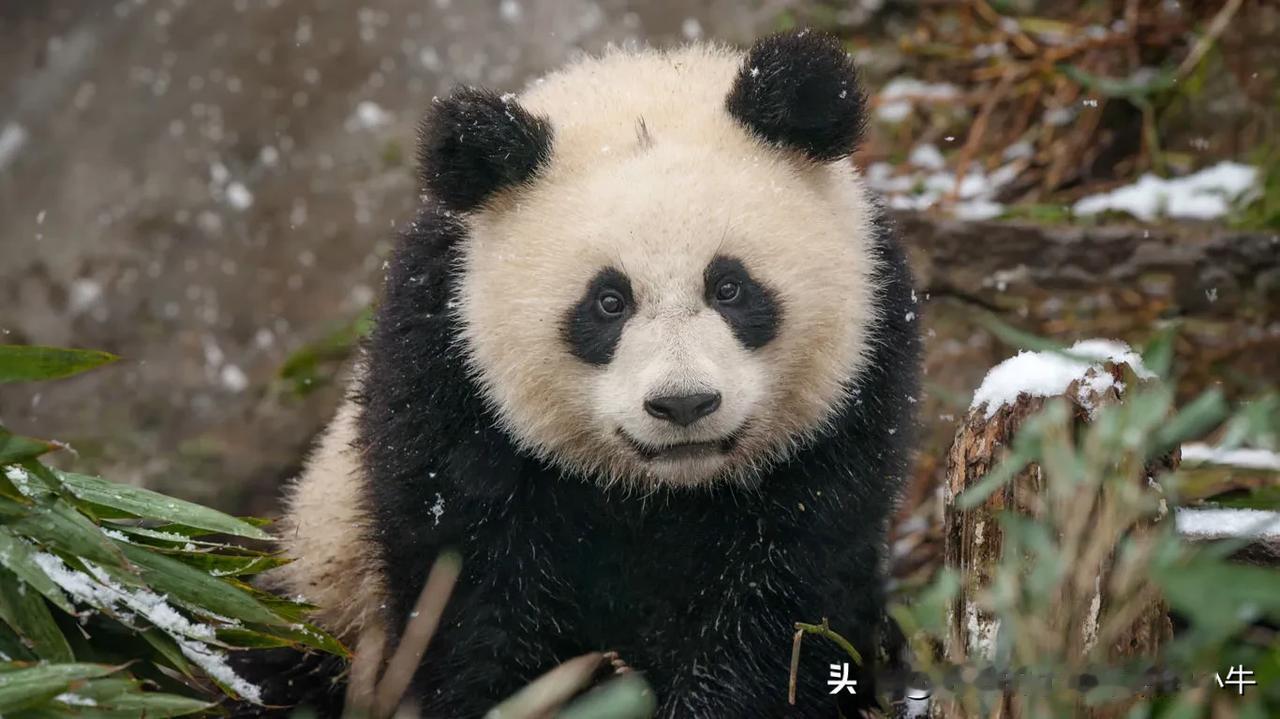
208, 189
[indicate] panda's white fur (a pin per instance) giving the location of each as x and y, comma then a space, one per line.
628, 125
323, 520
650, 174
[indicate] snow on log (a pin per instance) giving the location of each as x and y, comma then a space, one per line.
1091, 374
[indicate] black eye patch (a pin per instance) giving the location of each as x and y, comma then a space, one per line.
750, 308
593, 327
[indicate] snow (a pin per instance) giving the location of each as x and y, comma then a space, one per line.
214, 663
239, 196
437, 509
1210, 523
982, 632
83, 294
12, 138
233, 378
99, 590
367, 116
691, 28
1203, 195
928, 157
21, 480
510, 10
1241, 457
927, 182
898, 97
1048, 374
75, 700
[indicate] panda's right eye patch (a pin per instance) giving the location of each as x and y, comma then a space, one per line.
593, 326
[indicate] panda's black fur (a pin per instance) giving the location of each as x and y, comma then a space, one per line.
697, 589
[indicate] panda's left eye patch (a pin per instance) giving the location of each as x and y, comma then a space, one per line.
593, 326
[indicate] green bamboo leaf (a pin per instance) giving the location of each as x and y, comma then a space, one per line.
13, 508
12, 646
25, 611
305, 635
1157, 354
16, 448
305, 368
168, 539
26, 363
168, 649
153, 705
195, 588
1241, 594
56, 524
19, 557
241, 638
1133, 89
1191, 422
107, 688
22, 687
222, 565
146, 504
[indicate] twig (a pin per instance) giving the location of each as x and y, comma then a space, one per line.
362, 678
795, 666
1216, 26
1019, 38
425, 618
978, 131
824, 630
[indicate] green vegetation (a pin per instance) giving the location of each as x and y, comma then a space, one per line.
1100, 533
116, 601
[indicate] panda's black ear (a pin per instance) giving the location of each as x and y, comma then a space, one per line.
476, 142
800, 90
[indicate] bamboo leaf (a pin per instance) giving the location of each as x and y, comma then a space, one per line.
302, 634
1133, 89
26, 363
16, 448
19, 557
58, 525
25, 610
195, 588
21, 687
146, 504
152, 704
168, 649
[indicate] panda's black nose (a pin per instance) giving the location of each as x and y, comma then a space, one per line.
683, 409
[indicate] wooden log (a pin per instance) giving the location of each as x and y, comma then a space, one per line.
974, 541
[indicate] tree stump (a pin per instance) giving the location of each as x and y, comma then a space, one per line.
973, 540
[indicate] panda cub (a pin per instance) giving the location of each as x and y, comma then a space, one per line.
646, 360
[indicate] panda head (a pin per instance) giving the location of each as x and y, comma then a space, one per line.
667, 276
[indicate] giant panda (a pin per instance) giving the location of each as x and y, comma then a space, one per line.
646, 358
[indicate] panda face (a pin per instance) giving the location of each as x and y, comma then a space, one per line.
667, 276
681, 315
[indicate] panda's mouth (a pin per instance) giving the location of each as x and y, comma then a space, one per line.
681, 450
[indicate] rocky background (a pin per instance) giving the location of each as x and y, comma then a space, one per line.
208, 189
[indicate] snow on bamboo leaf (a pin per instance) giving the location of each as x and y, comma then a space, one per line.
97, 589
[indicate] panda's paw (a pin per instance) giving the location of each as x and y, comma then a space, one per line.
619, 666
